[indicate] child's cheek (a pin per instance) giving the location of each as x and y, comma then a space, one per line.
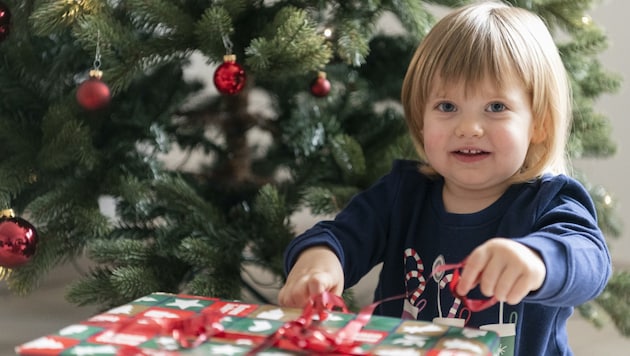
433, 144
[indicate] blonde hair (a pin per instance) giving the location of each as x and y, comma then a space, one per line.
498, 42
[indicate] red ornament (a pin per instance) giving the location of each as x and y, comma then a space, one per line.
229, 78
320, 87
18, 240
5, 21
93, 94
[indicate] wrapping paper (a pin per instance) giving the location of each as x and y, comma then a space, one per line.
171, 325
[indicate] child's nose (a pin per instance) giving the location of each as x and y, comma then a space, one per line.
469, 126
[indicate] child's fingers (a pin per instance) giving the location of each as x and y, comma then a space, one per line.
506, 283
475, 265
504, 269
492, 273
296, 293
287, 297
519, 290
315, 286
322, 282
316, 270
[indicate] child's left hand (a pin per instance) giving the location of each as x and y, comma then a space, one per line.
503, 268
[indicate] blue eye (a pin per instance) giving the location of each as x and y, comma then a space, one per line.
446, 107
496, 107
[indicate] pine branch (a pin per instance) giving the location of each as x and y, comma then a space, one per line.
214, 26
414, 16
349, 157
616, 301
121, 252
65, 141
292, 45
132, 282
51, 17
95, 289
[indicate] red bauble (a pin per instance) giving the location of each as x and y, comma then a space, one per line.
18, 240
93, 94
320, 87
229, 78
5, 21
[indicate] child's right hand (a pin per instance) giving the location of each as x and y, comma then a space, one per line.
316, 270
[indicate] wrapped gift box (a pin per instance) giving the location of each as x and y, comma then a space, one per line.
170, 325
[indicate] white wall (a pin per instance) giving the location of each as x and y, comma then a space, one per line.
614, 173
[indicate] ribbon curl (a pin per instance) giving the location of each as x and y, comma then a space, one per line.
474, 305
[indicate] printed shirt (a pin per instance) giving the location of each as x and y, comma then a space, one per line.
401, 222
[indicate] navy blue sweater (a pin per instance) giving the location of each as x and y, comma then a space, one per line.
401, 222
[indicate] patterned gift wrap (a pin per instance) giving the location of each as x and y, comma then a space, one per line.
163, 324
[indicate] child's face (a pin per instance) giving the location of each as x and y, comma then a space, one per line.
477, 139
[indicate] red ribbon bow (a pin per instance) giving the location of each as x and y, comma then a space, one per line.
306, 334
303, 333
474, 305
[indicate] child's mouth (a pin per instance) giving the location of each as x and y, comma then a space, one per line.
471, 154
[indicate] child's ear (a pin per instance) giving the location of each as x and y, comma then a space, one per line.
539, 133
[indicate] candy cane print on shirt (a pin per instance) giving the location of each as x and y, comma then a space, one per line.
452, 312
413, 276
452, 317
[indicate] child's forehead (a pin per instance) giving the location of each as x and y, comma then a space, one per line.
477, 69
487, 85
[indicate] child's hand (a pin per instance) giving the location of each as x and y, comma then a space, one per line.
316, 270
503, 268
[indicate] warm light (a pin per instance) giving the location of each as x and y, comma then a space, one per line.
328, 32
607, 199
586, 20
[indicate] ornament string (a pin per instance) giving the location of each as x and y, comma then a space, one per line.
227, 44
97, 55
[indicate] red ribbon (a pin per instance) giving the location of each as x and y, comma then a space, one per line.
304, 333
188, 333
474, 305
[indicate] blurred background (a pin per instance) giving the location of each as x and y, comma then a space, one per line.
45, 311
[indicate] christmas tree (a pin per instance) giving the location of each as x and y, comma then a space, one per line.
95, 94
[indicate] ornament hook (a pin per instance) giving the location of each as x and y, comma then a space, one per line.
97, 55
96, 71
227, 44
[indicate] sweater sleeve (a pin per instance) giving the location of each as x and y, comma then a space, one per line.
358, 234
572, 246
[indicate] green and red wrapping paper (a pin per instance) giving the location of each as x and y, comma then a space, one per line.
162, 324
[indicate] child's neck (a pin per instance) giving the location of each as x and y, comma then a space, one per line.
458, 200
